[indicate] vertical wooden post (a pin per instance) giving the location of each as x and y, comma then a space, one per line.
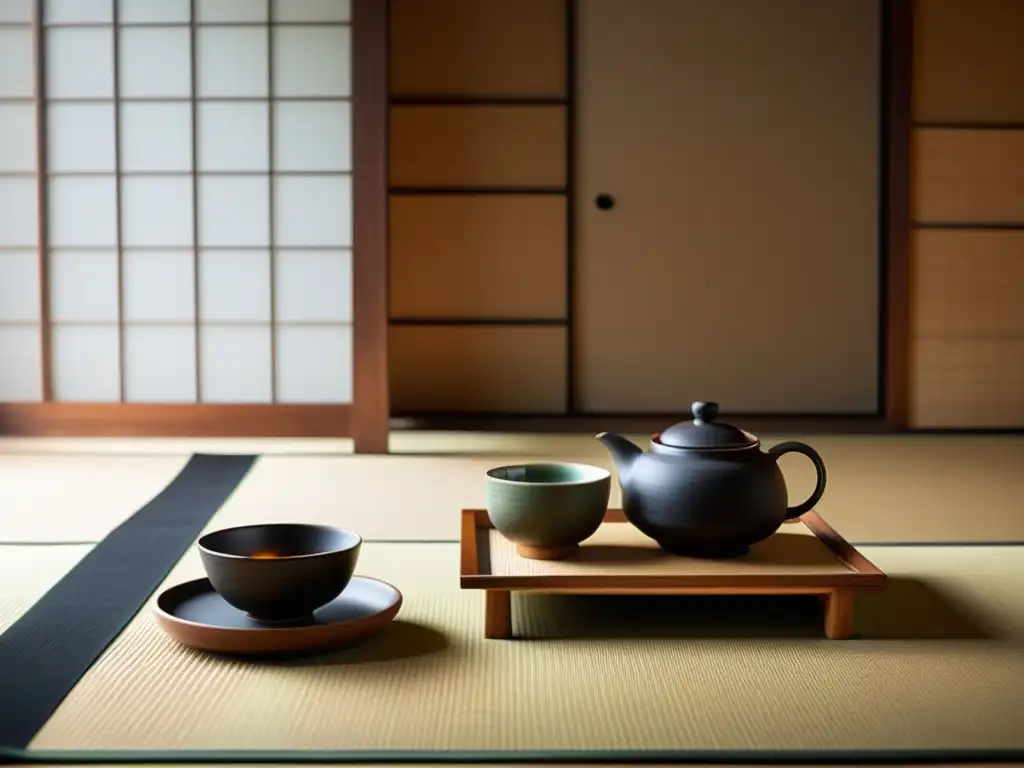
371, 408
898, 63
42, 198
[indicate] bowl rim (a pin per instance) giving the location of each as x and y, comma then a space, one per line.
597, 474
202, 546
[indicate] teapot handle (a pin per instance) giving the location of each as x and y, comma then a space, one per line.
776, 451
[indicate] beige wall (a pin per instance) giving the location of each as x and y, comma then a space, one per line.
740, 264
465, 256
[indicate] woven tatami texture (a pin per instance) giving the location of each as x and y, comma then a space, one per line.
940, 665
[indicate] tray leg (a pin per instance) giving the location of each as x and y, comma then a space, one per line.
839, 614
497, 614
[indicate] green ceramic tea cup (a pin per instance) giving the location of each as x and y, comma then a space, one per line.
547, 509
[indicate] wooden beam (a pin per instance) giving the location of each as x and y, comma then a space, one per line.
179, 420
898, 61
371, 407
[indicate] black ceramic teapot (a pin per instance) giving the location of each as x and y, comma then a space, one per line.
706, 489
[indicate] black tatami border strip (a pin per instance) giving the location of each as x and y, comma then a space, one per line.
44, 654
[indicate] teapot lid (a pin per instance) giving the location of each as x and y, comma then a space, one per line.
705, 432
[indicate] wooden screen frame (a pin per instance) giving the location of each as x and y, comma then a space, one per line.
366, 419
894, 278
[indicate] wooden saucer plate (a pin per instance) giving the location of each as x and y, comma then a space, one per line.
195, 615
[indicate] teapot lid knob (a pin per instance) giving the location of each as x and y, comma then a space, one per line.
704, 413
704, 431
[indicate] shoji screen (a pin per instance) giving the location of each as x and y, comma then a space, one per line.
198, 202
20, 311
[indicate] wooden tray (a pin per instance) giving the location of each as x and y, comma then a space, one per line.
806, 557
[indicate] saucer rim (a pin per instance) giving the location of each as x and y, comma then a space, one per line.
198, 587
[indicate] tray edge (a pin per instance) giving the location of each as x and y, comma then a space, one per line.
862, 572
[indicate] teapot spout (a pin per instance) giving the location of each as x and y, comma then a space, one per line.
624, 454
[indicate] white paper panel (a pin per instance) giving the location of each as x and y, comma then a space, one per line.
83, 286
231, 10
313, 210
16, 11
232, 61
160, 364
234, 364
156, 137
85, 363
74, 11
234, 286
156, 211
18, 211
155, 62
21, 364
136, 11
312, 10
312, 136
16, 63
83, 211
81, 137
314, 365
19, 286
158, 286
79, 63
17, 137
234, 211
233, 137
312, 61
313, 286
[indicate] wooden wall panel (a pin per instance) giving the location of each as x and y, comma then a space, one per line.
968, 323
969, 61
478, 146
478, 368
968, 171
971, 383
968, 284
968, 176
474, 48
491, 256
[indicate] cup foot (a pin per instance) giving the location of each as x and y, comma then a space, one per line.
547, 553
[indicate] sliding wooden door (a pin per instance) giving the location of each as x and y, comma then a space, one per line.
736, 257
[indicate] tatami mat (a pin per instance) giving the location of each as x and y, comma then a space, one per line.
900, 490
913, 488
27, 573
940, 665
380, 497
76, 498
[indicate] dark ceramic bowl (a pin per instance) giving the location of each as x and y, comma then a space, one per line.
279, 572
